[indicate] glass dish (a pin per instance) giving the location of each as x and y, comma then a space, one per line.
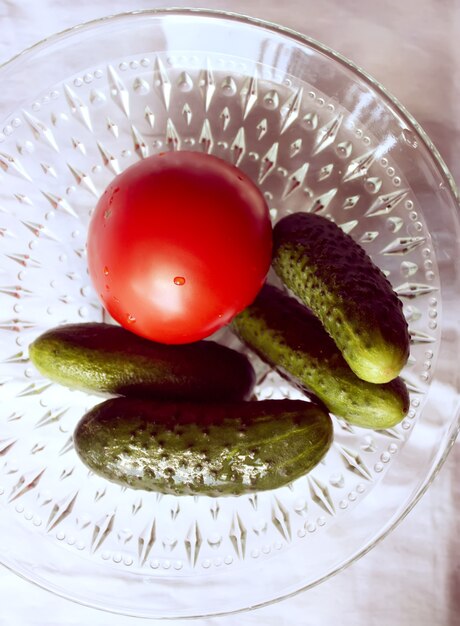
316, 133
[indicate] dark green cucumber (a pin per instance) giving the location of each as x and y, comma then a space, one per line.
338, 281
209, 449
291, 339
109, 359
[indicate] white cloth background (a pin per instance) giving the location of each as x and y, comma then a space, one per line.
411, 46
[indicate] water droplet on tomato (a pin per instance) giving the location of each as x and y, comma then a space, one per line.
107, 287
179, 280
106, 271
130, 318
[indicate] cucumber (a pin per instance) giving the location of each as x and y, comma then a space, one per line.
287, 336
338, 281
108, 359
208, 449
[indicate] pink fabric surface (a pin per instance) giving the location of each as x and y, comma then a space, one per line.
413, 576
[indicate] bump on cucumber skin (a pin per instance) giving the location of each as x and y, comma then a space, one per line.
108, 359
287, 336
338, 281
203, 449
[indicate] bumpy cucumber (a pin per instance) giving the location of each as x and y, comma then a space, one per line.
290, 338
208, 449
109, 359
338, 281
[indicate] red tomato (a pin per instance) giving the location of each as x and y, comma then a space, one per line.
179, 244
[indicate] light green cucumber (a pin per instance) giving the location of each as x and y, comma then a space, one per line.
338, 281
291, 339
203, 449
